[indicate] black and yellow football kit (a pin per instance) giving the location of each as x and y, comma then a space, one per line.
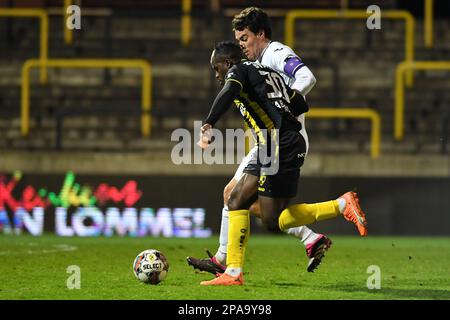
269, 107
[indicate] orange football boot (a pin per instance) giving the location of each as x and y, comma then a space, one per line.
354, 213
225, 280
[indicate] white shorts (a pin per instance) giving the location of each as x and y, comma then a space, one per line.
252, 156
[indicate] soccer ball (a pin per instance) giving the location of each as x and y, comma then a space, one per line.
150, 266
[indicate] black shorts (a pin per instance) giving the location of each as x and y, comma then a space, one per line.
283, 182
283, 185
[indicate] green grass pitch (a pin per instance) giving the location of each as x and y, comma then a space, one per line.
275, 269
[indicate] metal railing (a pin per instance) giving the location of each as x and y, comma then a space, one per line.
43, 18
357, 113
428, 23
68, 34
144, 65
292, 15
399, 110
185, 28
186, 22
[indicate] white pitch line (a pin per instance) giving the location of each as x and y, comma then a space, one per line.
56, 248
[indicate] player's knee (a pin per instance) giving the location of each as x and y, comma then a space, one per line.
233, 203
227, 191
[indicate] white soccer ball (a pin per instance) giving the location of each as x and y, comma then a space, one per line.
150, 266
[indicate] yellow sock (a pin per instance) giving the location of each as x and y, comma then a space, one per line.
238, 234
303, 214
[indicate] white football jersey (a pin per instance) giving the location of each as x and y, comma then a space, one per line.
274, 57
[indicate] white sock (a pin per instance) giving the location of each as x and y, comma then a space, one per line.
234, 272
221, 254
342, 204
304, 234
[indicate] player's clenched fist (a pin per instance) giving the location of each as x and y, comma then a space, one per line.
205, 136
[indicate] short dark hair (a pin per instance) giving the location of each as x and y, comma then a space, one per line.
255, 19
229, 49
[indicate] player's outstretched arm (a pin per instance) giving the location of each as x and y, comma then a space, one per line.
220, 105
224, 99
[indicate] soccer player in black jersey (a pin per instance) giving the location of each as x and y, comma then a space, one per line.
253, 31
269, 107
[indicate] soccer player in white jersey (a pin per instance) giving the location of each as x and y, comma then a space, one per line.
252, 29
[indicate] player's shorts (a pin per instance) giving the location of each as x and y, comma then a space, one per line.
282, 183
251, 157
249, 162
